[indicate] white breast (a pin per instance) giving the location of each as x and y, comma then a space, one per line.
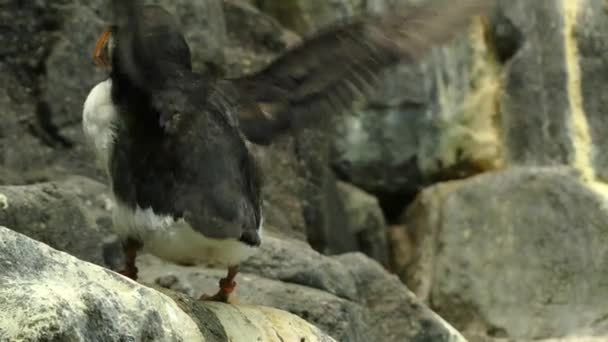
98, 118
176, 241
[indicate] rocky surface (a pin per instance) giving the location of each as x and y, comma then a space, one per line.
350, 297
428, 121
528, 276
523, 88
366, 222
72, 215
47, 295
346, 296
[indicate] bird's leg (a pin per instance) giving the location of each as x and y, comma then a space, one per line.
130, 248
227, 286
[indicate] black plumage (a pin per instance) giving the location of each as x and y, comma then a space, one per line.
178, 148
180, 137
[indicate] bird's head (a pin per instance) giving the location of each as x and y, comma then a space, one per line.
160, 40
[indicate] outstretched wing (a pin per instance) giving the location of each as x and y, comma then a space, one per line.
330, 71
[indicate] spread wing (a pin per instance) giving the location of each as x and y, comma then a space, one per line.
333, 69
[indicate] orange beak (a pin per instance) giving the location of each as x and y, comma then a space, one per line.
100, 58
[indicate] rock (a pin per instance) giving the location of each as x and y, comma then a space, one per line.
395, 312
536, 106
428, 121
306, 17
59, 297
342, 319
513, 254
350, 297
29, 150
400, 251
324, 210
365, 221
590, 25
70, 215
376, 148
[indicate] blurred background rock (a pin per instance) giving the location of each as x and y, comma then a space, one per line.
477, 176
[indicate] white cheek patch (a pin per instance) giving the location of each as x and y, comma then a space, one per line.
98, 119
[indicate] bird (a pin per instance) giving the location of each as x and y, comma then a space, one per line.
176, 143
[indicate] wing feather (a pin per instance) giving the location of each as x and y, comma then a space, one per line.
330, 71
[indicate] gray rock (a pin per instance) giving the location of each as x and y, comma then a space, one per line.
430, 120
395, 313
295, 262
70, 215
324, 209
591, 25
536, 108
377, 147
342, 319
366, 222
307, 17
350, 297
514, 254
48, 295
29, 150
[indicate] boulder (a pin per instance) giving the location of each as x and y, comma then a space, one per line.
536, 105
306, 17
71, 215
590, 44
47, 295
351, 297
365, 222
428, 121
334, 293
515, 254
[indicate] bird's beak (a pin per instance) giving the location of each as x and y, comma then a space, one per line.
100, 56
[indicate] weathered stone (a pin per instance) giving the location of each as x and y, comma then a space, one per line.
401, 250
589, 34
324, 210
428, 121
47, 295
351, 297
535, 109
395, 312
342, 319
514, 254
377, 148
306, 17
365, 221
70, 215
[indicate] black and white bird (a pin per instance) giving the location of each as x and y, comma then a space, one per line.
175, 142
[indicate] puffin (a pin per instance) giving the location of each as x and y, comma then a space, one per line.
176, 143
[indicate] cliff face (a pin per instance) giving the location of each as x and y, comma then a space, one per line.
478, 175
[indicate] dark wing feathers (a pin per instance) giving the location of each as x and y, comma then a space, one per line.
330, 71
